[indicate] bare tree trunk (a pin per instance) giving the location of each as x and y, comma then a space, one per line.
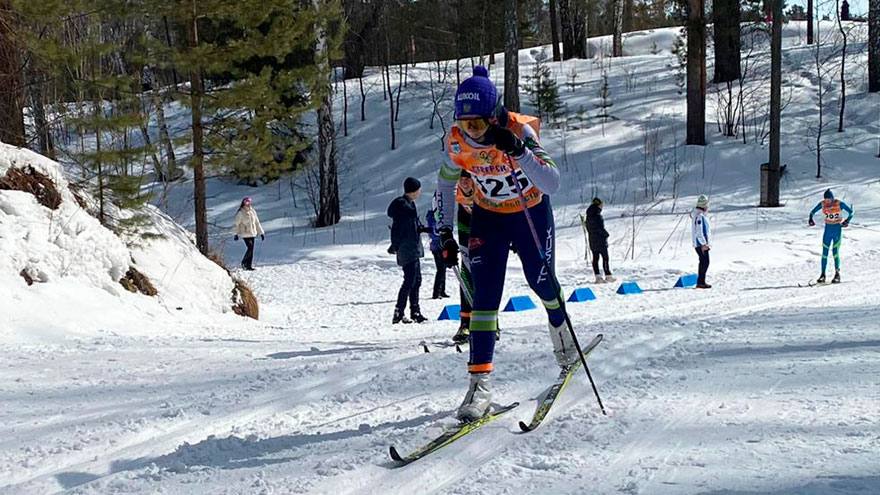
386, 71
696, 73
617, 35
164, 137
770, 197
845, 36
157, 164
400, 76
573, 18
344, 107
726, 18
45, 144
874, 46
554, 31
511, 57
363, 99
11, 100
328, 200
196, 92
810, 22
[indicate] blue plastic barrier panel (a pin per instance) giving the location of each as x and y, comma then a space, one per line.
451, 312
519, 303
582, 294
689, 280
629, 288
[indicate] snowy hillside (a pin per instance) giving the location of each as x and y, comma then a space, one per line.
761, 385
61, 269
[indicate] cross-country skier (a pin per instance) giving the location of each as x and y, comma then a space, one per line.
701, 233
598, 239
485, 141
834, 223
406, 243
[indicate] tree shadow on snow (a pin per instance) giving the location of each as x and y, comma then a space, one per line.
786, 348
235, 452
823, 485
72, 479
314, 351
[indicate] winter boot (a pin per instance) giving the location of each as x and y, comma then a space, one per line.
609, 278
836, 279
477, 400
599, 279
461, 336
563, 345
399, 318
704, 286
417, 317
821, 279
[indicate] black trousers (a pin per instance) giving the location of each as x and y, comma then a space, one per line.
412, 280
248, 260
603, 252
440, 276
704, 265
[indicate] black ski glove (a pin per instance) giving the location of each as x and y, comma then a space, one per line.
506, 141
812, 223
235, 237
448, 247
262, 237
845, 223
392, 250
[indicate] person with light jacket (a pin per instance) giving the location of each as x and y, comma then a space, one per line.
247, 227
701, 232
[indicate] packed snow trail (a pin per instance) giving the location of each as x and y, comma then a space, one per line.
741, 373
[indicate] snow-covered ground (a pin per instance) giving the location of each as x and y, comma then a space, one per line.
757, 386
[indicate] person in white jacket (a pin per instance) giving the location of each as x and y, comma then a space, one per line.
701, 232
247, 226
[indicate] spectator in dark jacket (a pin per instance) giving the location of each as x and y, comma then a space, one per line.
406, 243
598, 237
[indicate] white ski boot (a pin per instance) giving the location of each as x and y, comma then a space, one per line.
609, 279
599, 279
477, 401
563, 345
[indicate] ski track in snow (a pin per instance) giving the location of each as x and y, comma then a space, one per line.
319, 419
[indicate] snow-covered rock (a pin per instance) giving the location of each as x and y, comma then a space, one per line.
74, 263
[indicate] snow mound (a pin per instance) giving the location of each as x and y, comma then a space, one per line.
60, 269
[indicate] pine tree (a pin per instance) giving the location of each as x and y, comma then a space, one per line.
543, 91
605, 102
97, 69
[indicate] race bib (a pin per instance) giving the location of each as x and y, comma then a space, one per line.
501, 187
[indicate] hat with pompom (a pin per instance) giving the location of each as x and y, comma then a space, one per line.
703, 201
476, 95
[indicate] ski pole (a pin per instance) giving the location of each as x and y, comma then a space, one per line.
552, 276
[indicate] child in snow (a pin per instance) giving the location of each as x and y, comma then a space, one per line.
831, 209
598, 238
487, 141
406, 243
247, 226
440, 275
701, 233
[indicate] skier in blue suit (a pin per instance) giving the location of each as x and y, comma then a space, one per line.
834, 223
